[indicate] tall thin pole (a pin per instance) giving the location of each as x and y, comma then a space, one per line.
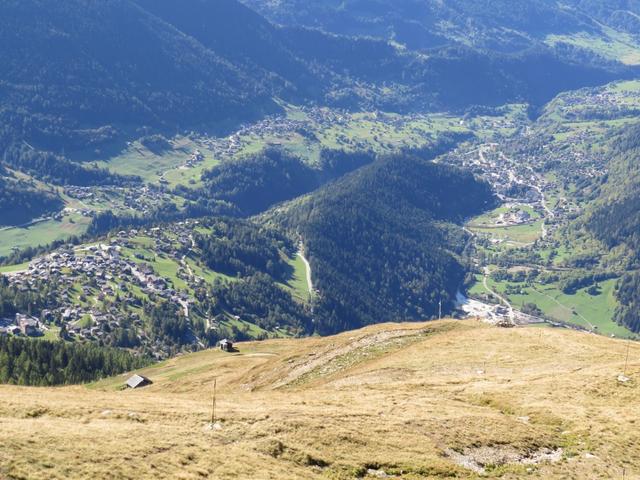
440, 310
213, 402
626, 362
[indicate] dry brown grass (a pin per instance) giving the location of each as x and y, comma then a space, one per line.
391, 397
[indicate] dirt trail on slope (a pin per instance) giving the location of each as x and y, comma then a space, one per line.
337, 358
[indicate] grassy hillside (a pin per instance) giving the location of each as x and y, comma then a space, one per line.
412, 401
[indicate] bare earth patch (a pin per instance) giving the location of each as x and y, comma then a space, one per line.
478, 459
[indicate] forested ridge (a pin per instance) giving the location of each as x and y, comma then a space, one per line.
73, 69
256, 256
57, 169
242, 248
380, 242
257, 299
256, 182
20, 202
615, 220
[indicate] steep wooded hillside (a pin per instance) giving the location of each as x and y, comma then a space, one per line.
74, 69
615, 220
380, 240
21, 202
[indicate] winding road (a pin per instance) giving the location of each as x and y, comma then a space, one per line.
503, 300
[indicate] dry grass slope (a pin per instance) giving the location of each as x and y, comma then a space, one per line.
413, 401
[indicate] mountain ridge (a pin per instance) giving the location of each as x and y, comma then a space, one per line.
447, 399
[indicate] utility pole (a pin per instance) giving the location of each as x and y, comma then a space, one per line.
440, 310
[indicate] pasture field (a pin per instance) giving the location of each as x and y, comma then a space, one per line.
413, 401
297, 284
616, 46
489, 219
42, 233
14, 268
517, 234
207, 274
581, 309
139, 161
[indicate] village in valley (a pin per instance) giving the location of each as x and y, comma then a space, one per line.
98, 291
521, 252
101, 288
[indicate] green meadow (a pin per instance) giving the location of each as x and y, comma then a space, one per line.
41, 233
581, 309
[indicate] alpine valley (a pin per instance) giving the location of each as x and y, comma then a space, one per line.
324, 182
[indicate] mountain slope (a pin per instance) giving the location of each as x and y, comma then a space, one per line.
413, 401
79, 65
81, 73
498, 25
20, 202
381, 241
241, 36
615, 219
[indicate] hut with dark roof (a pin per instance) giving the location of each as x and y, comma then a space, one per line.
138, 381
226, 345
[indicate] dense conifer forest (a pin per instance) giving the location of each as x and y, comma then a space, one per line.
379, 242
44, 363
616, 220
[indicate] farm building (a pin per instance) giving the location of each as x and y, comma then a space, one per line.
226, 345
138, 381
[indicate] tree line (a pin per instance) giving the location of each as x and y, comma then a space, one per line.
44, 363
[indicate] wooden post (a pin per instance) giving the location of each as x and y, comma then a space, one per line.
626, 362
213, 402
